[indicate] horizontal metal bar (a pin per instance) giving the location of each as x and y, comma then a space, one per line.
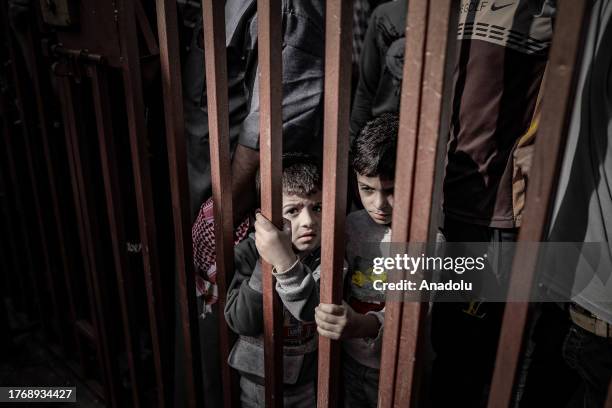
79, 55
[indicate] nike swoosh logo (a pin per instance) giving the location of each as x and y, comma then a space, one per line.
495, 7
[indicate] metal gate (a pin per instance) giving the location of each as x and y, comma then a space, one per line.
94, 195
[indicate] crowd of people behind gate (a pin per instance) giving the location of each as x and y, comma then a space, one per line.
502, 54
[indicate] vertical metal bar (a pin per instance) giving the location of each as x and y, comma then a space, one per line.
609, 399
23, 228
218, 127
177, 160
557, 104
86, 235
53, 193
42, 126
338, 37
17, 227
19, 197
9, 251
108, 162
19, 231
12, 229
145, 28
146, 214
410, 103
411, 353
7, 247
269, 26
40, 222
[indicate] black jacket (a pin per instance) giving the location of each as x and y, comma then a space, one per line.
298, 289
380, 65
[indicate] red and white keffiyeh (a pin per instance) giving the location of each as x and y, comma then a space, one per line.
204, 253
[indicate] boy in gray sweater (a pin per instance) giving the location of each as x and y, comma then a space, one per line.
294, 253
358, 322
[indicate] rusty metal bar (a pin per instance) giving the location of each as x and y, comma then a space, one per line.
338, 34
16, 231
8, 252
53, 192
40, 224
86, 234
411, 354
434, 80
557, 105
14, 208
38, 84
108, 160
177, 160
218, 128
145, 28
410, 103
146, 213
270, 88
22, 227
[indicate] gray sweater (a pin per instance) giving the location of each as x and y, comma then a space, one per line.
298, 288
365, 240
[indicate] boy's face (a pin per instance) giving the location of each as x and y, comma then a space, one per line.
305, 216
377, 197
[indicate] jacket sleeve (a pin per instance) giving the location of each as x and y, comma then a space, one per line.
376, 342
244, 304
298, 289
302, 83
370, 63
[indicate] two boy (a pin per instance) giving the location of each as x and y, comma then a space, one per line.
294, 253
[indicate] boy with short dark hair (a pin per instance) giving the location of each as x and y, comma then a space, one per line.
294, 253
359, 321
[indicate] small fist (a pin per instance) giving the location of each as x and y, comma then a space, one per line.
334, 321
274, 245
342, 322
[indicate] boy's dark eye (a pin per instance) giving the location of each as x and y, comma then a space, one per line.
291, 211
317, 208
365, 188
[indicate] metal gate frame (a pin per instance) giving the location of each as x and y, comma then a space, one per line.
424, 111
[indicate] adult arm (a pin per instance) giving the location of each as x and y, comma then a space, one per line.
302, 82
370, 72
244, 167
